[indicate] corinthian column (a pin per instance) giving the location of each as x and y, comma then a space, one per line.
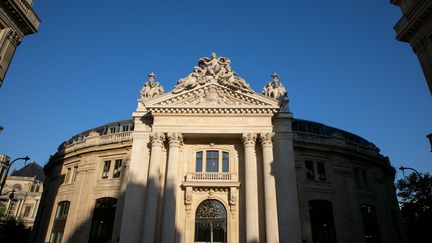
271, 217
152, 194
251, 188
170, 202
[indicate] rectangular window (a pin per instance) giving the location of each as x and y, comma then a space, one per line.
225, 162
310, 174
56, 237
62, 210
364, 177
67, 176
198, 162
356, 176
12, 207
74, 174
106, 169
33, 188
37, 188
212, 161
117, 168
321, 171
112, 129
125, 128
27, 210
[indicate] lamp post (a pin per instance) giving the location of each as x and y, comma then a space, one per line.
402, 168
7, 166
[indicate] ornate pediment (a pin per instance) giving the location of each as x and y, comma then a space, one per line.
212, 98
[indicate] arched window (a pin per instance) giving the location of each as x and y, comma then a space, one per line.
103, 220
211, 222
322, 223
370, 224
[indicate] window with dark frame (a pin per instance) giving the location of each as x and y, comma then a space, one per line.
106, 168
321, 171
27, 210
117, 168
356, 176
212, 161
74, 173
225, 162
198, 161
66, 180
310, 174
62, 210
364, 177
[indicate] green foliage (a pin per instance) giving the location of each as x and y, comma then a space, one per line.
415, 193
14, 231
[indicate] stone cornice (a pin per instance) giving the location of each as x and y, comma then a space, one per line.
22, 12
212, 98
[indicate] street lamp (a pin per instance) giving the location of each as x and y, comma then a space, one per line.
409, 168
8, 167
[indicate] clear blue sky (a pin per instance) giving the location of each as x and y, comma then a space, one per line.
338, 60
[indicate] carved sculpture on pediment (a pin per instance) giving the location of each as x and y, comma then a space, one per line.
214, 69
212, 95
151, 88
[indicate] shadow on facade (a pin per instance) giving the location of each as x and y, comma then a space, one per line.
50, 190
104, 218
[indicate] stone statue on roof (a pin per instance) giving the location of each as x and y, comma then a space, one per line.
151, 88
213, 69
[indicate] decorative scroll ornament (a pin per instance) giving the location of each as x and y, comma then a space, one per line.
211, 209
151, 88
214, 69
275, 89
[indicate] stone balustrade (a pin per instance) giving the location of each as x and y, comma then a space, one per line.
211, 176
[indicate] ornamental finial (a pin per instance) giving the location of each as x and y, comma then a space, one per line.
151, 88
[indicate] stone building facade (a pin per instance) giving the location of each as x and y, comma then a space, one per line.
27, 186
214, 161
17, 19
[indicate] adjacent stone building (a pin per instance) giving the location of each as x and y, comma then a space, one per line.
214, 161
415, 28
26, 184
17, 19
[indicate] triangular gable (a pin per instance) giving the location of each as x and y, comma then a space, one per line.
212, 97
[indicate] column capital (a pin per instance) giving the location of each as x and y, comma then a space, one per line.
175, 138
249, 139
157, 139
266, 138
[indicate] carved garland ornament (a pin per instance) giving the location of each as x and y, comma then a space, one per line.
214, 69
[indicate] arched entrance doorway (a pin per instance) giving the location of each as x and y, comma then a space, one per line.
103, 220
211, 222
